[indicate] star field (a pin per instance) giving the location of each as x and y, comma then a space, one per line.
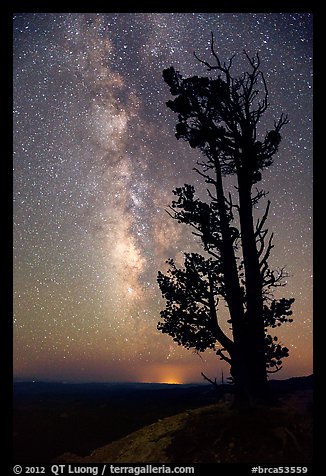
95, 163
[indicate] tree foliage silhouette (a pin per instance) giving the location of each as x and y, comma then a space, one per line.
219, 117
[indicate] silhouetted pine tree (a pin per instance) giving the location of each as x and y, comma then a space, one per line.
219, 116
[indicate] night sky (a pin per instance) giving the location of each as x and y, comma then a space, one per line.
95, 162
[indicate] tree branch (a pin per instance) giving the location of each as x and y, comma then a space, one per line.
170, 214
213, 382
223, 68
223, 357
277, 369
261, 223
270, 246
272, 280
283, 120
220, 336
253, 63
261, 241
259, 194
211, 195
204, 166
208, 179
209, 251
230, 203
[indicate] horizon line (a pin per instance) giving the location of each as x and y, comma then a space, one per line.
121, 382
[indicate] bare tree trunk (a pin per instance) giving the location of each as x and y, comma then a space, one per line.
254, 321
248, 361
232, 286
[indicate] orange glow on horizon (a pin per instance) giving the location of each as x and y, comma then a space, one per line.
163, 373
169, 381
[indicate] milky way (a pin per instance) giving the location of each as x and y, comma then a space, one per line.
95, 163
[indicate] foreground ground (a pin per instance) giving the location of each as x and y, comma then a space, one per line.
158, 423
218, 434
52, 418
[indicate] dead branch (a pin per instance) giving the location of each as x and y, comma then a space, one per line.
213, 382
261, 223
259, 194
208, 179
269, 248
283, 120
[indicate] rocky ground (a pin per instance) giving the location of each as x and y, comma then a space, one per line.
280, 434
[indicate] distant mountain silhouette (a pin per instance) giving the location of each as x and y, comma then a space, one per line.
294, 383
